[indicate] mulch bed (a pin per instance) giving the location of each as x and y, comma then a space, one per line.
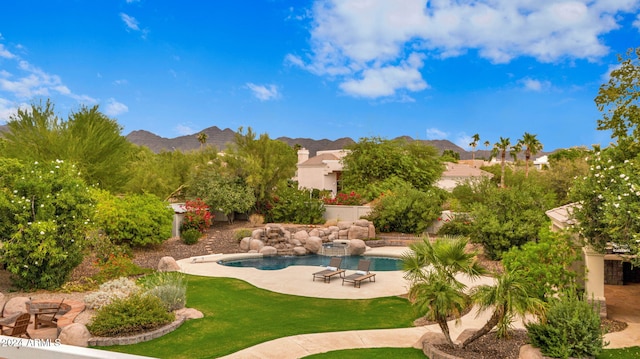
490, 347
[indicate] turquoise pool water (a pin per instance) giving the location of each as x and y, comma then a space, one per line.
348, 262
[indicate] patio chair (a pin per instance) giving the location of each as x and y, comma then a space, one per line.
361, 274
45, 316
332, 269
19, 327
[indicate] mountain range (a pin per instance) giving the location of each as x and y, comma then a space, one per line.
221, 138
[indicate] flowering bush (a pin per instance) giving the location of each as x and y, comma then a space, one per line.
45, 211
197, 216
459, 225
345, 199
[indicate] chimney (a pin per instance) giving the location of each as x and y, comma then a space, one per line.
303, 155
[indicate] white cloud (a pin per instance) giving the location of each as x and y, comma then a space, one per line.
7, 108
115, 108
535, 85
120, 82
463, 140
385, 81
130, 21
636, 22
352, 41
607, 75
184, 130
132, 1
264, 92
4, 53
436, 134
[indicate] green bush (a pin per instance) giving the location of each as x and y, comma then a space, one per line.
292, 205
131, 315
45, 212
407, 210
238, 234
116, 266
190, 235
571, 329
459, 225
170, 287
135, 220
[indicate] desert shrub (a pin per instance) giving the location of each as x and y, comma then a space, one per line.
116, 266
571, 329
100, 245
407, 210
134, 220
545, 263
134, 314
109, 291
238, 234
345, 199
459, 225
293, 205
45, 212
170, 287
197, 216
256, 220
190, 235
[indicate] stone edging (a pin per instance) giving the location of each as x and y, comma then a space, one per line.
434, 353
138, 338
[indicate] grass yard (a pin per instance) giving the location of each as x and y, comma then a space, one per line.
239, 315
624, 353
371, 353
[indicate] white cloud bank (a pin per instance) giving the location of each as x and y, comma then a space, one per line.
376, 48
115, 108
264, 92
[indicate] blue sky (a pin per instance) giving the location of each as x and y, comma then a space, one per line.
322, 69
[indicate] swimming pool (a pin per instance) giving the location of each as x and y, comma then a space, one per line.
348, 262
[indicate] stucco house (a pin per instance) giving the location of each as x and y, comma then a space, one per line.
458, 173
321, 171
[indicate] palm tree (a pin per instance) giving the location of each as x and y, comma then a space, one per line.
501, 147
202, 138
531, 147
431, 268
514, 151
510, 296
473, 145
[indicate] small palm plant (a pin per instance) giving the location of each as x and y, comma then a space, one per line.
432, 268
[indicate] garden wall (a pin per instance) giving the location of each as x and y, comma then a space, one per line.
345, 213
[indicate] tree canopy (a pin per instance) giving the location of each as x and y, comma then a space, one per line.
87, 138
372, 161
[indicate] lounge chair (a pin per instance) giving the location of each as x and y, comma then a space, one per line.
332, 269
361, 274
45, 315
19, 327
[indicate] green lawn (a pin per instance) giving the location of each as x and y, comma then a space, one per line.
371, 353
624, 353
239, 315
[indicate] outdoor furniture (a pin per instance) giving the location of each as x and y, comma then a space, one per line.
45, 315
361, 274
333, 269
19, 327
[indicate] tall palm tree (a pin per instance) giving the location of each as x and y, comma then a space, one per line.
509, 297
514, 152
531, 147
473, 145
431, 268
202, 138
501, 147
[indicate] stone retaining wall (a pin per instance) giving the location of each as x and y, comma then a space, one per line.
138, 338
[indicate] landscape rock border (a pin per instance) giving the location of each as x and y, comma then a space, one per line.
138, 338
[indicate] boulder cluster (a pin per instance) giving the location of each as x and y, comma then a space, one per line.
276, 239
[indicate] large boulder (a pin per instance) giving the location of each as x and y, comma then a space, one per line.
313, 244
75, 334
16, 305
361, 223
168, 264
257, 233
301, 236
299, 251
268, 251
256, 244
244, 243
189, 313
372, 231
358, 232
357, 247
295, 242
344, 225
530, 352
314, 233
